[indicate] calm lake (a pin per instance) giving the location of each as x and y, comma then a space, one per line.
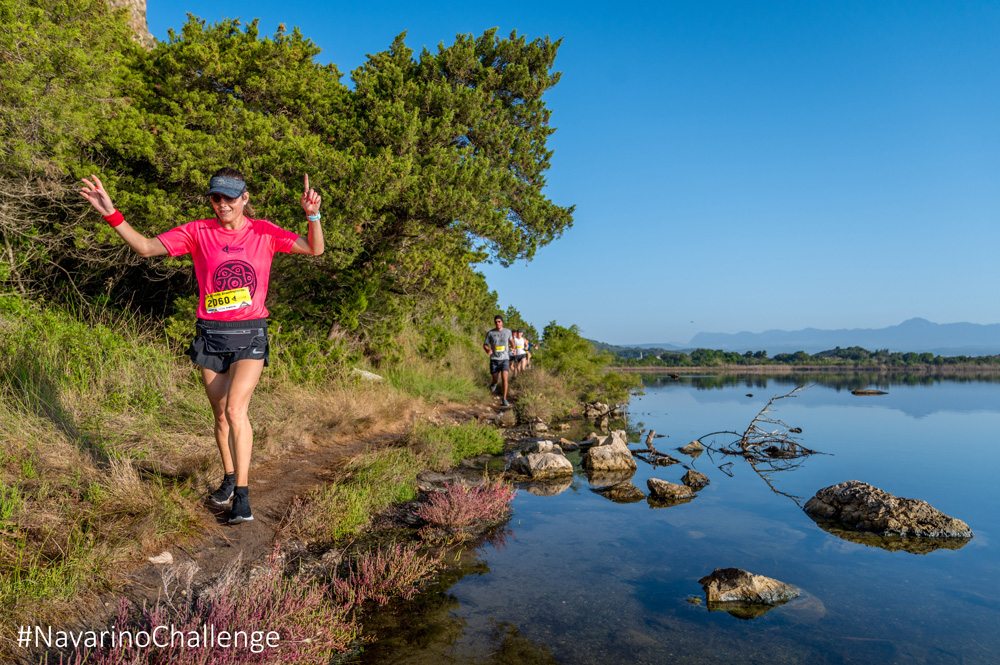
579, 579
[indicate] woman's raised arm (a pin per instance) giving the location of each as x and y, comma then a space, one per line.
99, 198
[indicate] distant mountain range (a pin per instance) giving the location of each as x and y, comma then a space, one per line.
917, 335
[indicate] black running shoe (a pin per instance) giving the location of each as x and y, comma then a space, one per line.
224, 494
240, 512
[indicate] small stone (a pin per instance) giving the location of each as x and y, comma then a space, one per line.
367, 376
624, 492
695, 479
694, 449
542, 465
163, 559
665, 491
727, 585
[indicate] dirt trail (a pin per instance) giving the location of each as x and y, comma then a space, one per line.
274, 484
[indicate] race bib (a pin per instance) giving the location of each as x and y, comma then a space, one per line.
498, 349
222, 301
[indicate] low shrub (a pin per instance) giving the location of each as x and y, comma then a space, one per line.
385, 573
540, 394
311, 629
462, 506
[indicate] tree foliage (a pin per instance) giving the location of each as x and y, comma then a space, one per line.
427, 164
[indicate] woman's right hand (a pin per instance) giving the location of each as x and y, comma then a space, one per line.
98, 196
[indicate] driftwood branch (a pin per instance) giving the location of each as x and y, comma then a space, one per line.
767, 444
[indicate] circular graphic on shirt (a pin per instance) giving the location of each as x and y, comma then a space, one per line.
233, 275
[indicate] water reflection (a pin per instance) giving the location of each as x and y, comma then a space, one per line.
744, 611
431, 631
889, 543
836, 380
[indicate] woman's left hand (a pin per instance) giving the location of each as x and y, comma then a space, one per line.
310, 199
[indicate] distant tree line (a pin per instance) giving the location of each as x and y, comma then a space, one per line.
851, 356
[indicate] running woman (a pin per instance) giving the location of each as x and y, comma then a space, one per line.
520, 350
232, 256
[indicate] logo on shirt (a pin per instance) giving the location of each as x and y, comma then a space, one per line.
233, 275
229, 249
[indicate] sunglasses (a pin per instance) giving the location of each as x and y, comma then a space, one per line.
219, 198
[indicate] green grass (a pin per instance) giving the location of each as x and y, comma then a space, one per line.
422, 380
444, 446
370, 484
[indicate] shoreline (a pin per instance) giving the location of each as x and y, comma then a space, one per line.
925, 370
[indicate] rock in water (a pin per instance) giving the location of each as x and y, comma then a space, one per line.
541, 446
624, 492
612, 455
693, 449
694, 479
729, 585
542, 465
664, 491
861, 506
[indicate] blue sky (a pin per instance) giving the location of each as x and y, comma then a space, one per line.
736, 165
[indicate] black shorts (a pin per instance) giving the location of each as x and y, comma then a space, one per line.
499, 366
519, 358
218, 344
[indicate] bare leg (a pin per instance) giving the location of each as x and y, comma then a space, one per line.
230, 395
504, 375
245, 375
217, 388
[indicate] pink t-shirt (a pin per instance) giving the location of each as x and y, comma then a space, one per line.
232, 267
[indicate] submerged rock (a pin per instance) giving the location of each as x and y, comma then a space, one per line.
735, 585
623, 492
568, 445
695, 479
669, 492
542, 465
861, 506
612, 455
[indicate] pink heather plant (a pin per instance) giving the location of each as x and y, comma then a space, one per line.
386, 573
310, 628
460, 506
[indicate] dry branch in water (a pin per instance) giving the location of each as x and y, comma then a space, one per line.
767, 450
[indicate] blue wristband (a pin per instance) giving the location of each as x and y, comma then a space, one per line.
314, 218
